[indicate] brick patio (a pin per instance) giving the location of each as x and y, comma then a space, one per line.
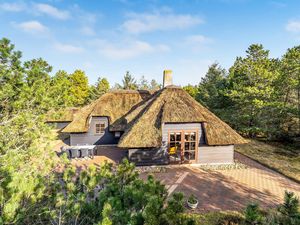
230, 189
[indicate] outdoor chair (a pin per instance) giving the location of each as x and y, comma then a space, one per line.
74, 153
84, 153
91, 153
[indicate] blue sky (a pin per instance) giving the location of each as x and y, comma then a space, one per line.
107, 38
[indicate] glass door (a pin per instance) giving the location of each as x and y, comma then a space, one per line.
182, 146
175, 147
190, 143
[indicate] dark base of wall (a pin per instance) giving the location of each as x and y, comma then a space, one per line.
148, 157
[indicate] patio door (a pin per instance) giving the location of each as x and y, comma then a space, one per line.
190, 146
182, 146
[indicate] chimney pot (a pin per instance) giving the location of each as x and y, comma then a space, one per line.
168, 79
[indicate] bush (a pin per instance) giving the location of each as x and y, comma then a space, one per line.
253, 215
215, 218
288, 212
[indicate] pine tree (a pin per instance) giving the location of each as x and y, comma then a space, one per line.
79, 89
211, 88
101, 87
154, 85
129, 83
251, 89
60, 89
11, 76
253, 215
288, 89
36, 92
143, 84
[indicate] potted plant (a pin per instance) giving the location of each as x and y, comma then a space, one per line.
192, 202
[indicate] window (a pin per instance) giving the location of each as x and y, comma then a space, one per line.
117, 134
175, 146
189, 145
100, 128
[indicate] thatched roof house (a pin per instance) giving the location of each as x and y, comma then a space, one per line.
156, 127
173, 105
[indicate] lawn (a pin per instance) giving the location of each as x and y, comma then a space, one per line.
284, 158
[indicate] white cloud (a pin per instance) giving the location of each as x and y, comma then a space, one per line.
293, 26
67, 48
197, 39
32, 26
12, 7
52, 11
159, 21
197, 43
133, 49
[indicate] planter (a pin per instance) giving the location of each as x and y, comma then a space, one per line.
192, 205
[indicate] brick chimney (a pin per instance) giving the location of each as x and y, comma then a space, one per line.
168, 79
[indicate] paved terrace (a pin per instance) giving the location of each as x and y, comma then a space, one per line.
230, 189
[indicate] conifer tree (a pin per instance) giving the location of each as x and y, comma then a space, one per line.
79, 89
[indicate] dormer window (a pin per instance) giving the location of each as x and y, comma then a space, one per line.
100, 128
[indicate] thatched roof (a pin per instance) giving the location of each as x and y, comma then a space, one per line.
172, 105
114, 105
62, 115
141, 115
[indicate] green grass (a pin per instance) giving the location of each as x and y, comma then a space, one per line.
217, 218
285, 158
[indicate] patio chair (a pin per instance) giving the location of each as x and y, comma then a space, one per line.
74, 153
91, 153
84, 153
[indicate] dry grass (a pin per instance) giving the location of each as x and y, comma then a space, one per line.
173, 105
282, 157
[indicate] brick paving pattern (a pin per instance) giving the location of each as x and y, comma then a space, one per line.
231, 189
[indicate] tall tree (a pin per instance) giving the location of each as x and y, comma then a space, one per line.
101, 87
60, 89
143, 84
251, 89
129, 82
11, 75
154, 85
288, 87
37, 84
79, 88
26, 158
211, 88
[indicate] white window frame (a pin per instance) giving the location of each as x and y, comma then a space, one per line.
101, 128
